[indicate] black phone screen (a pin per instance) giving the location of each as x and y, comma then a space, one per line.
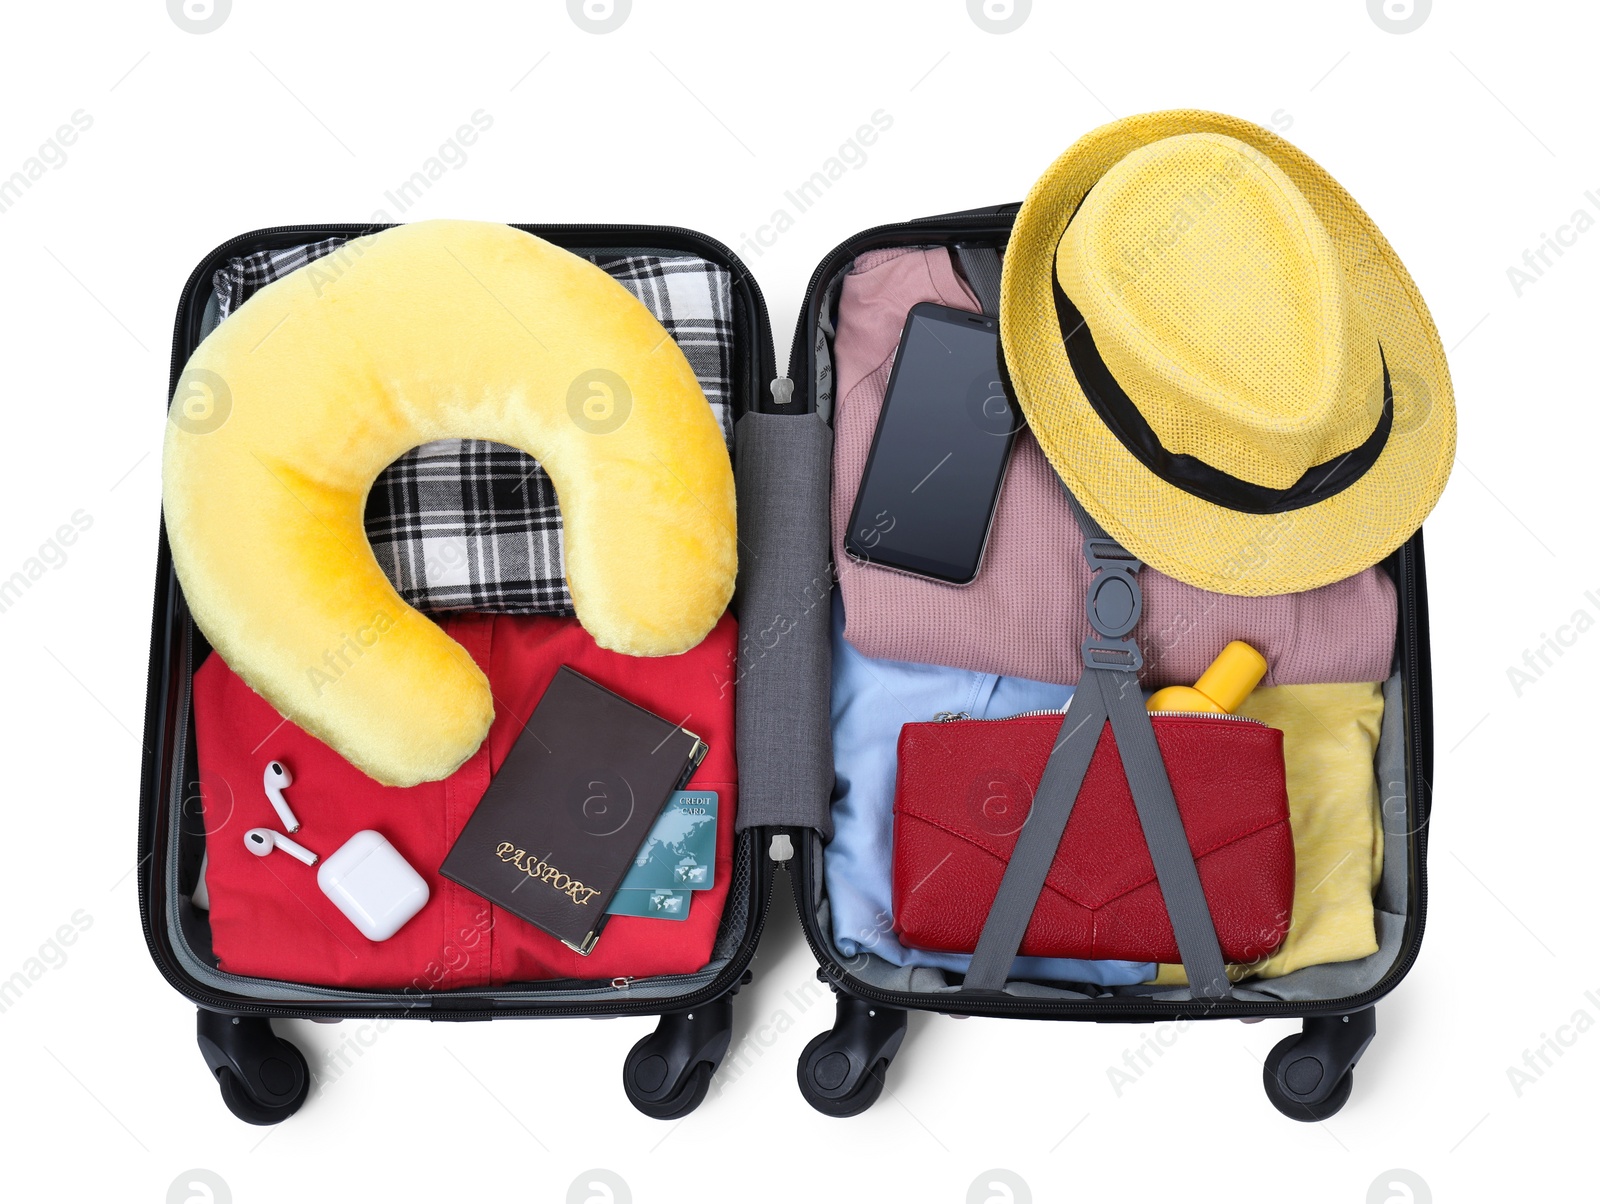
938, 458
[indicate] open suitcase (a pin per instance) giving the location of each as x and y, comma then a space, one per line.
782, 469
1308, 1076
263, 1078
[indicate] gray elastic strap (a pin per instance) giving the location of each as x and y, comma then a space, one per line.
982, 268
1170, 853
1102, 694
1035, 850
1163, 833
1087, 523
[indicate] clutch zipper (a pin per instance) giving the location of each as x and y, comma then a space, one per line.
965, 717
1209, 715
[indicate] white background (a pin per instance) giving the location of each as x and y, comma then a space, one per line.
1468, 140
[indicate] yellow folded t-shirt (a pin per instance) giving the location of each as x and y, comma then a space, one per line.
1330, 734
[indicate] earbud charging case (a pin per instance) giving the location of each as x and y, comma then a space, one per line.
373, 885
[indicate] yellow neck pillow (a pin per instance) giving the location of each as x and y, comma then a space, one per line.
286, 414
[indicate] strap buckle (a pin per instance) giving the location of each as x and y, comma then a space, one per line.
1113, 604
1103, 552
1122, 656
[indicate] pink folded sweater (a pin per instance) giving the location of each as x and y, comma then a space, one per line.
1024, 614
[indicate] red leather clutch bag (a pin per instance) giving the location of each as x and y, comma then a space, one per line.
964, 789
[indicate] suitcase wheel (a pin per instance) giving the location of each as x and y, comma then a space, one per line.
1309, 1076
263, 1078
841, 1071
668, 1073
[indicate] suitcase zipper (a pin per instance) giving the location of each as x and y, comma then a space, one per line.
938, 225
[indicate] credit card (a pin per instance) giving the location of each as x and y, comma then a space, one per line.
651, 904
681, 851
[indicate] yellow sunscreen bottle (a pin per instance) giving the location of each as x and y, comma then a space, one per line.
1221, 688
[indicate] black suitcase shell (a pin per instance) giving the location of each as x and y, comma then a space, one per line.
264, 1078
1308, 1076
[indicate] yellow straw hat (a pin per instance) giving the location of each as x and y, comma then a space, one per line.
1223, 358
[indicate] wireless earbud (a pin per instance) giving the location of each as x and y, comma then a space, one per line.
261, 842
275, 781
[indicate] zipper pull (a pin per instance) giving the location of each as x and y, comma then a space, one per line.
782, 391
951, 716
781, 848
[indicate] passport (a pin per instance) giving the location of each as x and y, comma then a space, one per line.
559, 826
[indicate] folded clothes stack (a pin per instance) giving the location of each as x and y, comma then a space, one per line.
269, 921
910, 648
1330, 736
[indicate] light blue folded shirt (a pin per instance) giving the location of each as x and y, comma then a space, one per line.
871, 700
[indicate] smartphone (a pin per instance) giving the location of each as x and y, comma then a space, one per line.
939, 455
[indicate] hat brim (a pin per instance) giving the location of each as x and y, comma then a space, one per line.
1193, 540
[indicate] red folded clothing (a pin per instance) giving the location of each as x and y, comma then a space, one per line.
965, 788
270, 920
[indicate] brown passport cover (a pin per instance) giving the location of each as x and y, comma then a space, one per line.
557, 829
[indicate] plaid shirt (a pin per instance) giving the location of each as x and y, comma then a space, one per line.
461, 524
